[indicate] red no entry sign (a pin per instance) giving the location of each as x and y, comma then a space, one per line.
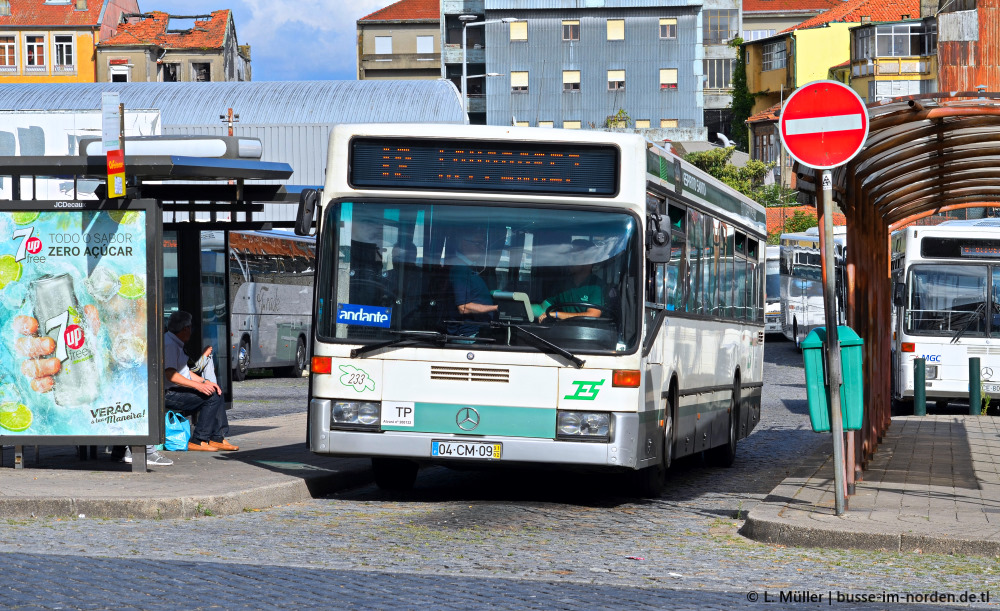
824, 124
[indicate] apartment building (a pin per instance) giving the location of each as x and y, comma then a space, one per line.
400, 41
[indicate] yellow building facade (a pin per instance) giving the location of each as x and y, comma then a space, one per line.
54, 41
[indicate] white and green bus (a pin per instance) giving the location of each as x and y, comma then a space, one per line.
520, 296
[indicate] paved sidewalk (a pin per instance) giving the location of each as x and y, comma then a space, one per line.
933, 485
272, 467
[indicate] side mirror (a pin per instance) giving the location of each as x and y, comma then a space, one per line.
657, 240
308, 200
899, 294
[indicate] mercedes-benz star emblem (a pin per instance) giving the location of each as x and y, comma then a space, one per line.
470, 356
467, 419
987, 373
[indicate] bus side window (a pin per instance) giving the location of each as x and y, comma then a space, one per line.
677, 269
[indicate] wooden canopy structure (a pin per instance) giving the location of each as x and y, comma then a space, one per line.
924, 154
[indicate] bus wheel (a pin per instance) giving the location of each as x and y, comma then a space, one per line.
242, 361
795, 332
725, 455
394, 474
652, 481
300, 366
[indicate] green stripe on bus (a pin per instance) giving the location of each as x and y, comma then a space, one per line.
492, 420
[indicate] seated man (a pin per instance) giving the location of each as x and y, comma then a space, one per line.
469, 291
187, 392
580, 287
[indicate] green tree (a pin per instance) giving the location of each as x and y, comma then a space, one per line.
742, 103
748, 180
798, 221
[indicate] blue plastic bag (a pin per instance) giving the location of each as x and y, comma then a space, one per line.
178, 432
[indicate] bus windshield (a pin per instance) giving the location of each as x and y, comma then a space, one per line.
945, 299
497, 275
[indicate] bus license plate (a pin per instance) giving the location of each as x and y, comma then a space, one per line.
991, 388
484, 450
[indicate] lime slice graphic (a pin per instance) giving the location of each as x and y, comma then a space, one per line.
23, 218
132, 286
124, 217
10, 270
15, 417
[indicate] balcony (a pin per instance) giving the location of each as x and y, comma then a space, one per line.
453, 54
891, 66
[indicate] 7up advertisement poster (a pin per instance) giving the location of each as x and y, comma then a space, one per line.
73, 323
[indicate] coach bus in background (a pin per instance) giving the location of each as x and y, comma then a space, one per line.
802, 281
772, 290
946, 302
271, 292
505, 295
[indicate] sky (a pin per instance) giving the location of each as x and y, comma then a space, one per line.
290, 40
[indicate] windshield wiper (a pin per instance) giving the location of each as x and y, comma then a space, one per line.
540, 342
973, 317
406, 338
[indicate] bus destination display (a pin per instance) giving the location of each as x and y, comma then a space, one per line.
551, 168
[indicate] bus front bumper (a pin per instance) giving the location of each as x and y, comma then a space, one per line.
619, 452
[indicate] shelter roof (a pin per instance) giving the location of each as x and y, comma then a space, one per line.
154, 28
38, 13
855, 11
407, 10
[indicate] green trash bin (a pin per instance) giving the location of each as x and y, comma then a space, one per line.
852, 390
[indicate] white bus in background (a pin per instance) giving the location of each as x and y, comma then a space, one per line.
660, 357
772, 290
802, 281
946, 301
271, 292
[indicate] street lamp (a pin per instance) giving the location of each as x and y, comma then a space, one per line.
467, 21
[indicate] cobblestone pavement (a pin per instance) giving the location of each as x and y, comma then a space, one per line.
466, 539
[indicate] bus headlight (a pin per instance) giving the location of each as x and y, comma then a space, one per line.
583, 426
355, 414
930, 372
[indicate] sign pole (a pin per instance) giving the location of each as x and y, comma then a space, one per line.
834, 373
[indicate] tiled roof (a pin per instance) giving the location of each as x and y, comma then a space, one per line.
37, 13
771, 114
852, 11
769, 6
407, 10
152, 30
777, 216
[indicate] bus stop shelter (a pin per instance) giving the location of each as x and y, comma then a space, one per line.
43, 251
925, 154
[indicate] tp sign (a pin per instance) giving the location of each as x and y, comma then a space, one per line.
824, 124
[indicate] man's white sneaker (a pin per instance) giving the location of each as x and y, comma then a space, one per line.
155, 458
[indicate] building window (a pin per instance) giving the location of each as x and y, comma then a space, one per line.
201, 73
642, 123
518, 81
571, 29
616, 29
749, 35
668, 28
4, 7
519, 31
169, 73
774, 56
545, 124
383, 45
63, 52
522, 124
8, 54
425, 44
668, 122
571, 125
119, 73
718, 73
34, 52
616, 80
668, 78
571, 80
719, 26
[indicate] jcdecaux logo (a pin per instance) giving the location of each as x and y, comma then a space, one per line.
362, 315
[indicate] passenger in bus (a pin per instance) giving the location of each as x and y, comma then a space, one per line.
469, 291
579, 287
187, 392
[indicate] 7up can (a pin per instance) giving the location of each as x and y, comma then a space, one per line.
60, 317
